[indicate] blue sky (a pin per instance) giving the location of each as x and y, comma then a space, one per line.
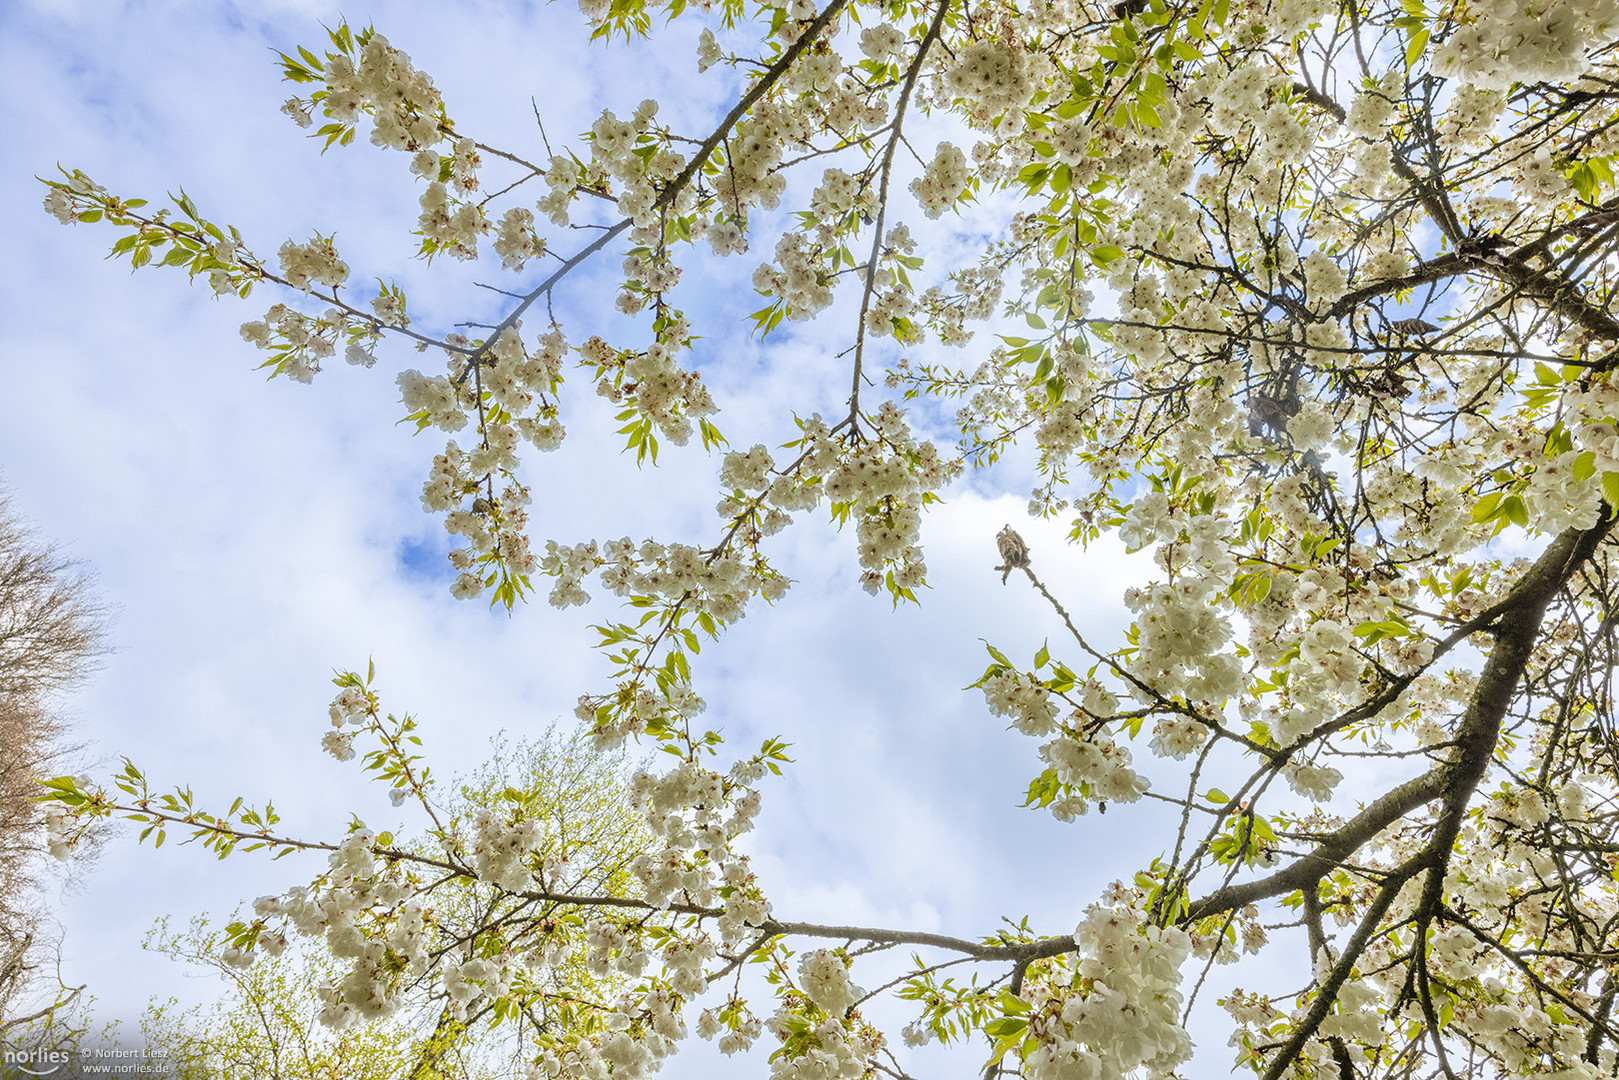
253, 536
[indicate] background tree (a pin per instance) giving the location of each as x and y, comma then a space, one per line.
267, 1023
50, 632
1357, 398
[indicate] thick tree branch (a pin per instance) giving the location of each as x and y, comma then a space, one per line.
1517, 624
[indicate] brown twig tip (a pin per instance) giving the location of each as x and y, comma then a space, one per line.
1014, 552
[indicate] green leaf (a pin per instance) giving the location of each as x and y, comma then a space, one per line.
1004, 1044
1012, 1004
1514, 511
1486, 508
1414, 48
1004, 1026
1588, 177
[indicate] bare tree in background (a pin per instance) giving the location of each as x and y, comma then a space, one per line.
51, 629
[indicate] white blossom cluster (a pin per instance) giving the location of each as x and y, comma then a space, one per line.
63, 202
521, 383
823, 975
314, 263
708, 50
1128, 1017
717, 585
698, 814
653, 382
1084, 757
795, 278
614, 145
350, 707
733, 1038
943, 181
1029, 704
405, 107
994, 75
883, 481
839, 193
300, 342
563, 177
365, 916
1181, 637
474, 979
61, 831
1098, 766
453, 225
501, 851
1471, 116
642, 1031
833, 1049
1526, 41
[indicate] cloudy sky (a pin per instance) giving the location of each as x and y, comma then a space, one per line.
253, 536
